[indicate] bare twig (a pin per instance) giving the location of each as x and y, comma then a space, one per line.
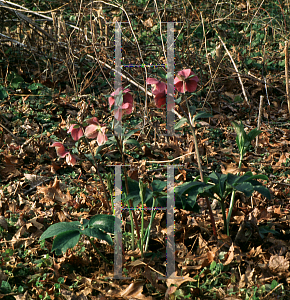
236, 69
207, 55
259, 120
287, 74
22, 17
14, 136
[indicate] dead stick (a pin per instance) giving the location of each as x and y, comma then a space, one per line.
259, 120
235, 67
287, 74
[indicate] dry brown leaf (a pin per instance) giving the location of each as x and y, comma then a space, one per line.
278, 264
178, 280
134, 291
3, 223
148, 23
52, 193
230, 255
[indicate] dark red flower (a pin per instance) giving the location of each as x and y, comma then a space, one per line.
185, 79
76, 133
95, 130
125, 107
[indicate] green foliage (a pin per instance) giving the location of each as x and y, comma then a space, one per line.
200, 115
5, 287
68, 233
224, 184
3, 92
244, 140
15, 80
185, 194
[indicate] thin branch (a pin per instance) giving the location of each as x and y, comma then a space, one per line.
236, 69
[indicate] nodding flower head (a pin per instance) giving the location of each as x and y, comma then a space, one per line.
185, 81
159, 90
126, 106
96, 130
61, 152
76, 133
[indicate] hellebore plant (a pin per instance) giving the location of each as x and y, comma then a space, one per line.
218, 186
185, 80
243, 141
221, 185
227, 184
68, 233
123, 102
159, 90
61, 152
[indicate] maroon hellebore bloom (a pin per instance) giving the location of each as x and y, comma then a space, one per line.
76, 133
182, 80
127, 105
159, 90
95, 130
61, 152
70, 159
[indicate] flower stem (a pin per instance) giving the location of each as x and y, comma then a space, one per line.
127, 187
191, 125
232, 203
99, 252
99, 174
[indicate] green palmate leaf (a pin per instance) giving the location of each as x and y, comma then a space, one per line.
253, 134
66, 240
180, 123
103, 222
245, 188
186, 194
201, 115
192, 110
235, 179
178, 100
132, 142
219, 181
183, 188
134, 194
224, 184
158, 186
241, 136
193, 193
263, 191
3, 92
97, 233
59, 228
130, 133
247, 177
